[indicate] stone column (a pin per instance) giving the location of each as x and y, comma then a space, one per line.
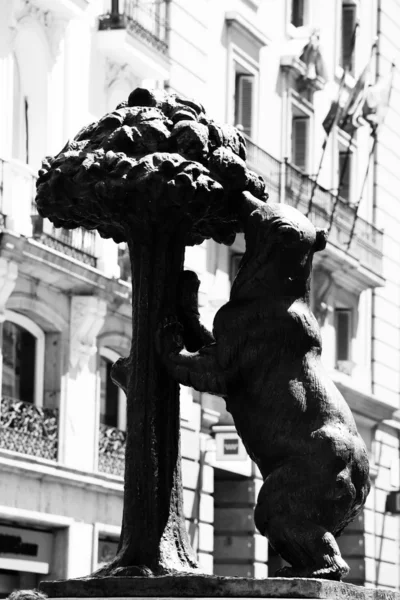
8, 279
80, 389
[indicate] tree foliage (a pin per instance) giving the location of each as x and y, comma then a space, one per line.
155, 163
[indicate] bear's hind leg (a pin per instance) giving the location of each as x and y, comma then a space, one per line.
288, 517
310, 549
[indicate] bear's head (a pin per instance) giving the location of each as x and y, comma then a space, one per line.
280, 244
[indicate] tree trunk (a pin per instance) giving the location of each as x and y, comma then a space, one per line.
154, 538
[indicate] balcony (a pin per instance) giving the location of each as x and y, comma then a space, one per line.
111, 451
77, 243
18, 213
28, 429
137, 30
265, 165
356, 258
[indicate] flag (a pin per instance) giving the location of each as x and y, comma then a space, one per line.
353, 108
332, 116
312, 58
377, 100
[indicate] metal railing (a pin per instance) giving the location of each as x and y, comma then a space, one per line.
146, 19
111, 450
366, 245
28, 429
78, 243
266, 165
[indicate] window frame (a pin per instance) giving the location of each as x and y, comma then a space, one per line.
34, 329
344, 143
247, 66
112, 355
297, 104
348, 310
295, 30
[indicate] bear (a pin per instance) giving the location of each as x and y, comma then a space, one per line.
264, 358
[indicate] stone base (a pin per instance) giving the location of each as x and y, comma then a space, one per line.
203, 586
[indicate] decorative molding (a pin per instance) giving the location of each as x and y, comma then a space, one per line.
115, 71
8, 279
237, 21
87, 318
53, 24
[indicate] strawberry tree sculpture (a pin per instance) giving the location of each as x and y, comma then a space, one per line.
158, 174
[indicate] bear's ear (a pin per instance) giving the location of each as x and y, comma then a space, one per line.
320, 239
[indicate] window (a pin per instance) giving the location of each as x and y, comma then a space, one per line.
343, 326
23, 359
19, 356
112, 398
244, 98
297, 13
124, 262
344, 175
349, 19
109, 393
300, 136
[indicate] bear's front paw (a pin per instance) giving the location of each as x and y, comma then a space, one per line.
169, 337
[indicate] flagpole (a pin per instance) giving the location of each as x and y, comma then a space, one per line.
375, 134
364, 183
335, 119
346, 117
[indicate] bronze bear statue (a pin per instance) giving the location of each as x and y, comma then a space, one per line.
264, 358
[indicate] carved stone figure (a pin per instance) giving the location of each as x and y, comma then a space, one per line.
158, 174
264, 359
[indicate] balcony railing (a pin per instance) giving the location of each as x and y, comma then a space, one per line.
366, 243
18, 212
366, 240
266, 165
146, 19
111, 450
77, 243
28, 429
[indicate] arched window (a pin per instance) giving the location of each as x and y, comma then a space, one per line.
112, 398
23, 359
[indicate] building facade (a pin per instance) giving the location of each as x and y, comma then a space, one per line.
272, 68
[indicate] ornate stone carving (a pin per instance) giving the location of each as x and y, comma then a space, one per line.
265, 360
87, 319
158, 174
53, 24
8, 279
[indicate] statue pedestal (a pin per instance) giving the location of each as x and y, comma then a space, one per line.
209, 586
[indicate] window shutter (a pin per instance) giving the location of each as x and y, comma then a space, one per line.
300, 142
297, 18
344, 176
244, 102
348, 26
343, 333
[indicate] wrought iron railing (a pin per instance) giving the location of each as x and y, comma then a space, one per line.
366, 244
266, 165
146, 19
28, 429
111, 450
78, 243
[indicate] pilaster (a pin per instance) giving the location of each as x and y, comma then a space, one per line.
80, 394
